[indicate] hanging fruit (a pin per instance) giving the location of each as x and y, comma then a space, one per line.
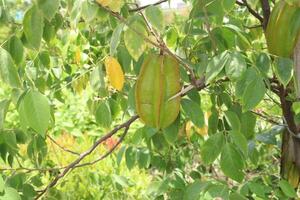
283, 29
158, 81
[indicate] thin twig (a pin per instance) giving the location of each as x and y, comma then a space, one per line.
251, 10
28, 170
61, 147
107, 153
73, 164
146, 6
267, 118
163, 47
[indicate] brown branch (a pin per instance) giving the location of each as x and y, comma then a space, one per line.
163, 47
61, 147
73, 164
107, 153
199, 84
251, 10
146, 6
266, 12
266, 118
28, 170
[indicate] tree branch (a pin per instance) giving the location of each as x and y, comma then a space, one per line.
267, 118
73, 164
28, 170
251, 10
107, 153
266, 12
146, 6
61, 147
163, 47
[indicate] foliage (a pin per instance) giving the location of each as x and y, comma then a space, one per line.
68, 124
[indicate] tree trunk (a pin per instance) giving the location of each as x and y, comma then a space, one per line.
289, 170
290, 149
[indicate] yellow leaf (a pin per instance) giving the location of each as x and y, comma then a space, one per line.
116, 5
77, 56
104, 2
114, 73
188, 130
202, 131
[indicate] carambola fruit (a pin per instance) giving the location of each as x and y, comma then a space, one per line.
158, 81
283, 29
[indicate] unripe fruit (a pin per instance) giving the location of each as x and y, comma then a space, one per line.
283, 29
158, 81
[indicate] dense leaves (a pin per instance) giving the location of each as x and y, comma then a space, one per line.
69, 71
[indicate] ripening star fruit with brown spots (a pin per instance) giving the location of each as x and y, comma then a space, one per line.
158, 81
283, 28
114, 73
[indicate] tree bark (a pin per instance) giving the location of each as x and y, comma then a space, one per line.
290, 149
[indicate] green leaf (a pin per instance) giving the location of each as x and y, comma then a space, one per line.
287, 189
171, 132
115, 39
97, 79
284, 70
144, 158
215, 66
193, 190
254, 93
103, 115
155, 17
10, 194
28, 191
235, 66
228, 5
263, 63
233, 120
232, 163
48, 7
240, 141
89, 10
213, 122
8, 70
248, 122
10, 140
134, 41
236, 196
121, 180
3, 110
296, 107
15, 47
212, 148
34, 110
221, 191
130, 157
33, 27
37, 149
2, 184
269, 136
193, 111
246, 79
257, 188
157, 188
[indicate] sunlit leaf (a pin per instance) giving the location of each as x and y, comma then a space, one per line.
114, 73
134, 39
33, 26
